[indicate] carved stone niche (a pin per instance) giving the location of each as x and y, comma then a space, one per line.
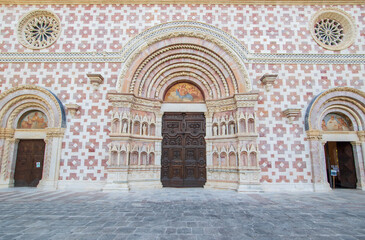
291, 113
95, 80
268, 80
72, 108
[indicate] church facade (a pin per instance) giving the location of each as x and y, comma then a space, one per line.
265, 97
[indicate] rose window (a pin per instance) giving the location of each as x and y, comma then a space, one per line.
329, 32
333, 28
39, 29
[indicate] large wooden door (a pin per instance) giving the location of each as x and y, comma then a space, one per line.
340, 157
29, 163
183, 150
347, 175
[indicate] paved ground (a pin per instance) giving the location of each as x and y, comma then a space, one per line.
181, 214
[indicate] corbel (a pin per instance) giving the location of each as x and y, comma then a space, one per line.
268, 80
72, 108
291, 113
95, 80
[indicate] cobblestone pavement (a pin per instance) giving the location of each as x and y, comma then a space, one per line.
27, 213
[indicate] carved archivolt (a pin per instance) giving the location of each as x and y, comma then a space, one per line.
162, 84
198, 58
229, 45
39, 29
15, 100
348, 101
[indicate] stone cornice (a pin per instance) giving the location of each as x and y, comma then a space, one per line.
251, 58
261, 2
132, 101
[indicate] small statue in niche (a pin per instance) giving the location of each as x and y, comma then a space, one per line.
223, 129
125, 127
144, 129
215, 130
232, 128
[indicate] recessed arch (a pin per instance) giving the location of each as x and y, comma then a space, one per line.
200, 51
349, 101
16, 102
342, 101
183, 90
27, 97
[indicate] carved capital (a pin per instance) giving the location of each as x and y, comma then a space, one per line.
55, 132
361, 135
356, 143
6, 133
314, 135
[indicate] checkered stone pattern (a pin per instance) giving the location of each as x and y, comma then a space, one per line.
284, 151
84, 148
262, 29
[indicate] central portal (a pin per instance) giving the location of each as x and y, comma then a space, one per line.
183, 150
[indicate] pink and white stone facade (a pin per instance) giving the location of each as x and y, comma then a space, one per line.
275, 40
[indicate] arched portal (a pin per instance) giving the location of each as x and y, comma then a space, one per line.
185, 49
26, 113
334, 121
184, 67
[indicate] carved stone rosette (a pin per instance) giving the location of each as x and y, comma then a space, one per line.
39, 29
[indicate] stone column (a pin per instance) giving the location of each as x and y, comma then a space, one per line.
361, 135
318, 161
158, 134
208, 143
7, 153
52, 157
359, 153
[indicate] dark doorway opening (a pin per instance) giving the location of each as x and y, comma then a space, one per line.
183, 150
29, 163
340, 158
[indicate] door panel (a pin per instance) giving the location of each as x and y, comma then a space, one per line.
29, 163
183, 150
347, 176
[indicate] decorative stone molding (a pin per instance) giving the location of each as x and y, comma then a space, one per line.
39, 29
314, 135
72, 108
350, 100
333, 28
13, 104
95, 80
182, 29
55, 132
361, 135
30, 97
6, 133
198, 58
268, 80
291, 113
256, 2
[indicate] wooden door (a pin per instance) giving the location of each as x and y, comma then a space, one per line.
29, 163
347, 175
183, 150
